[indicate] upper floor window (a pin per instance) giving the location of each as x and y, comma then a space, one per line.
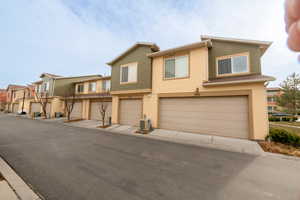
92, 86
37, 88
176, 67
232, 64
80, 88
128, 73
271, 99
106, 85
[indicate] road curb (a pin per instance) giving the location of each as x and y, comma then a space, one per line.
23, 191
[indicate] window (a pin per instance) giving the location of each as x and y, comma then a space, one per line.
106, 85
45, 87
271, 99
92, 86
37, 89
128, 73
232, 65
80, 88
270, 108
176, 67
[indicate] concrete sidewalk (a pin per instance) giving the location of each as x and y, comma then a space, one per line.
216, 142
13, 187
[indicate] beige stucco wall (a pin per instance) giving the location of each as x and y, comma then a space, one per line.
99, 88
86, 109
57, 105
115, 110
199, 73
198, 67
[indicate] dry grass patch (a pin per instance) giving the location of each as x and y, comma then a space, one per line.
274, 147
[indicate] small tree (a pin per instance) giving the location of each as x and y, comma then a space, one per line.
43, 100
103, 106
290, 99
69, 101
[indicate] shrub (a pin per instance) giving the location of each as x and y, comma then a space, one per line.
283, 136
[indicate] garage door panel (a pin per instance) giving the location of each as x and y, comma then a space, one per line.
130, 112
35, 107
203, 116
95, 111
227, 116
77, 111
15, 108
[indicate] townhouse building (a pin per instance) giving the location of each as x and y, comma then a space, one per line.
12, 98
272, 94
3, 97
89, 96
214, 86
53, 89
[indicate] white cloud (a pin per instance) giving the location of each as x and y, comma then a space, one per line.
72, 37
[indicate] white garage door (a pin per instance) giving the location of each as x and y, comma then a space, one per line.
77, 111
95, 110
15, 108
224, 116
35, 107
130, 112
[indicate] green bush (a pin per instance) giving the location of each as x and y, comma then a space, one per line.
283, 136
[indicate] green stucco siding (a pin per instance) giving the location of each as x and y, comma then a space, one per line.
66, 87
228, 48
144, 70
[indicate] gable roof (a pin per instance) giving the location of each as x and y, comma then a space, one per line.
84, 77
205, 43
49, 75
153, 46
15, 86
264, 45
94, 79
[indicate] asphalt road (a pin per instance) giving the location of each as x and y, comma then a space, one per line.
68, 163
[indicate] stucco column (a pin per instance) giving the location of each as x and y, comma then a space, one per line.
150, 108
56, 106
259, 112
86, 109
115, 110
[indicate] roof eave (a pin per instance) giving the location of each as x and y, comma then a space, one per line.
153, 46
206, 43
239, 82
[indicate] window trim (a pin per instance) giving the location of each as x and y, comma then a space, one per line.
128, 65
78, 87
172, 57
247, 54
91, 91
105, 89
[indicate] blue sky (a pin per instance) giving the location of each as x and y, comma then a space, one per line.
77, 37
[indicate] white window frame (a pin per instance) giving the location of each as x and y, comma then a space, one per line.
135, 64
93, 89
174, 57
231, 57
107, 85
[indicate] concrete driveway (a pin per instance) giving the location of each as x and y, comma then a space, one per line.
70, 163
